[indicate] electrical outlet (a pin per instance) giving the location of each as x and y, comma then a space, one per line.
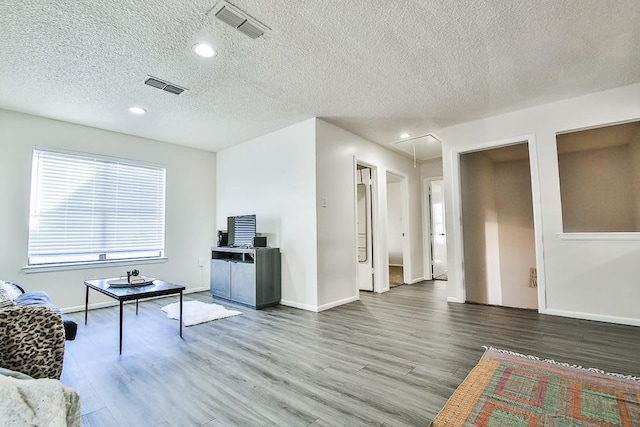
533, 277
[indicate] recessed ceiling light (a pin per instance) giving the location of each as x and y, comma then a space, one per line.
137, 110
204, 50
405, 135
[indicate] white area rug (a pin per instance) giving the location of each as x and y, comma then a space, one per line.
194, 312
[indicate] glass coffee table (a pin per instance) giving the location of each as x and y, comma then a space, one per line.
135, 292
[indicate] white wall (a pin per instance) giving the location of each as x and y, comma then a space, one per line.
274, 177
431, 168
394, 215
336, 149
190, 209
593, 279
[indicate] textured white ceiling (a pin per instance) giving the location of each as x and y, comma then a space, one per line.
376, 68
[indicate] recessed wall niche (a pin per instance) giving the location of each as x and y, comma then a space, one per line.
600, 179
498, 227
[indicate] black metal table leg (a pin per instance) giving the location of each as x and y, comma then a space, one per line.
86, 305
121, 327
136, 307
180, 313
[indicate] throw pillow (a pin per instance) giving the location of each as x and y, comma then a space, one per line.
12, 290
38, 298
5, 300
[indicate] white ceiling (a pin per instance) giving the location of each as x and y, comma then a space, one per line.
376, 68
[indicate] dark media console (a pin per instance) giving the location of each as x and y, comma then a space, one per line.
250, 276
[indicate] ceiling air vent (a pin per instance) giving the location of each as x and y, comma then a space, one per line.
231, 15
173, 89
248, 28
165, 86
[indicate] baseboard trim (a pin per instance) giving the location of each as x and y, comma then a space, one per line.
596, 317
194, 290
324, 307
454, 299
418, 280
112, 302
295, 304
317, 309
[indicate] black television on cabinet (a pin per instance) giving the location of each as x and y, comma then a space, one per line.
242, 230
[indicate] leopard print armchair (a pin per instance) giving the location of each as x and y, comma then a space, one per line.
32, 341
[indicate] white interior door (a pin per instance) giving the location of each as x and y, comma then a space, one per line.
364, 229
438, 231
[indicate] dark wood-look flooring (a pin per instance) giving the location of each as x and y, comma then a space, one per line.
392, 359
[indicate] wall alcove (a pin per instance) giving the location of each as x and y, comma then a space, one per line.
600, 179
497, 219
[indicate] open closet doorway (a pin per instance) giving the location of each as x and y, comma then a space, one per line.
364, 226
396, 224
499, 243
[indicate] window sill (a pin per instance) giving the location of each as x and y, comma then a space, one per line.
94, 264
609, 236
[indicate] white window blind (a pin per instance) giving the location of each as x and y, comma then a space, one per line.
88, 208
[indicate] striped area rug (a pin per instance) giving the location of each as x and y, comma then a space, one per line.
511, 389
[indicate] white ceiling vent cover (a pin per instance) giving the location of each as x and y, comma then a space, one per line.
163, 85
231, 15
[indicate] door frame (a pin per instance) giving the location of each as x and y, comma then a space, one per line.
454, 227
426, 224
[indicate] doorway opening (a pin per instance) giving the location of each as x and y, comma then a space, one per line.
364, 226
499, 243
436, 266
397, 257
395, 230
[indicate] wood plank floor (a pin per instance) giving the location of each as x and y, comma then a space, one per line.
392, 359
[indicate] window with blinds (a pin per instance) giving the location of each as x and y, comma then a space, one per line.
88, 208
